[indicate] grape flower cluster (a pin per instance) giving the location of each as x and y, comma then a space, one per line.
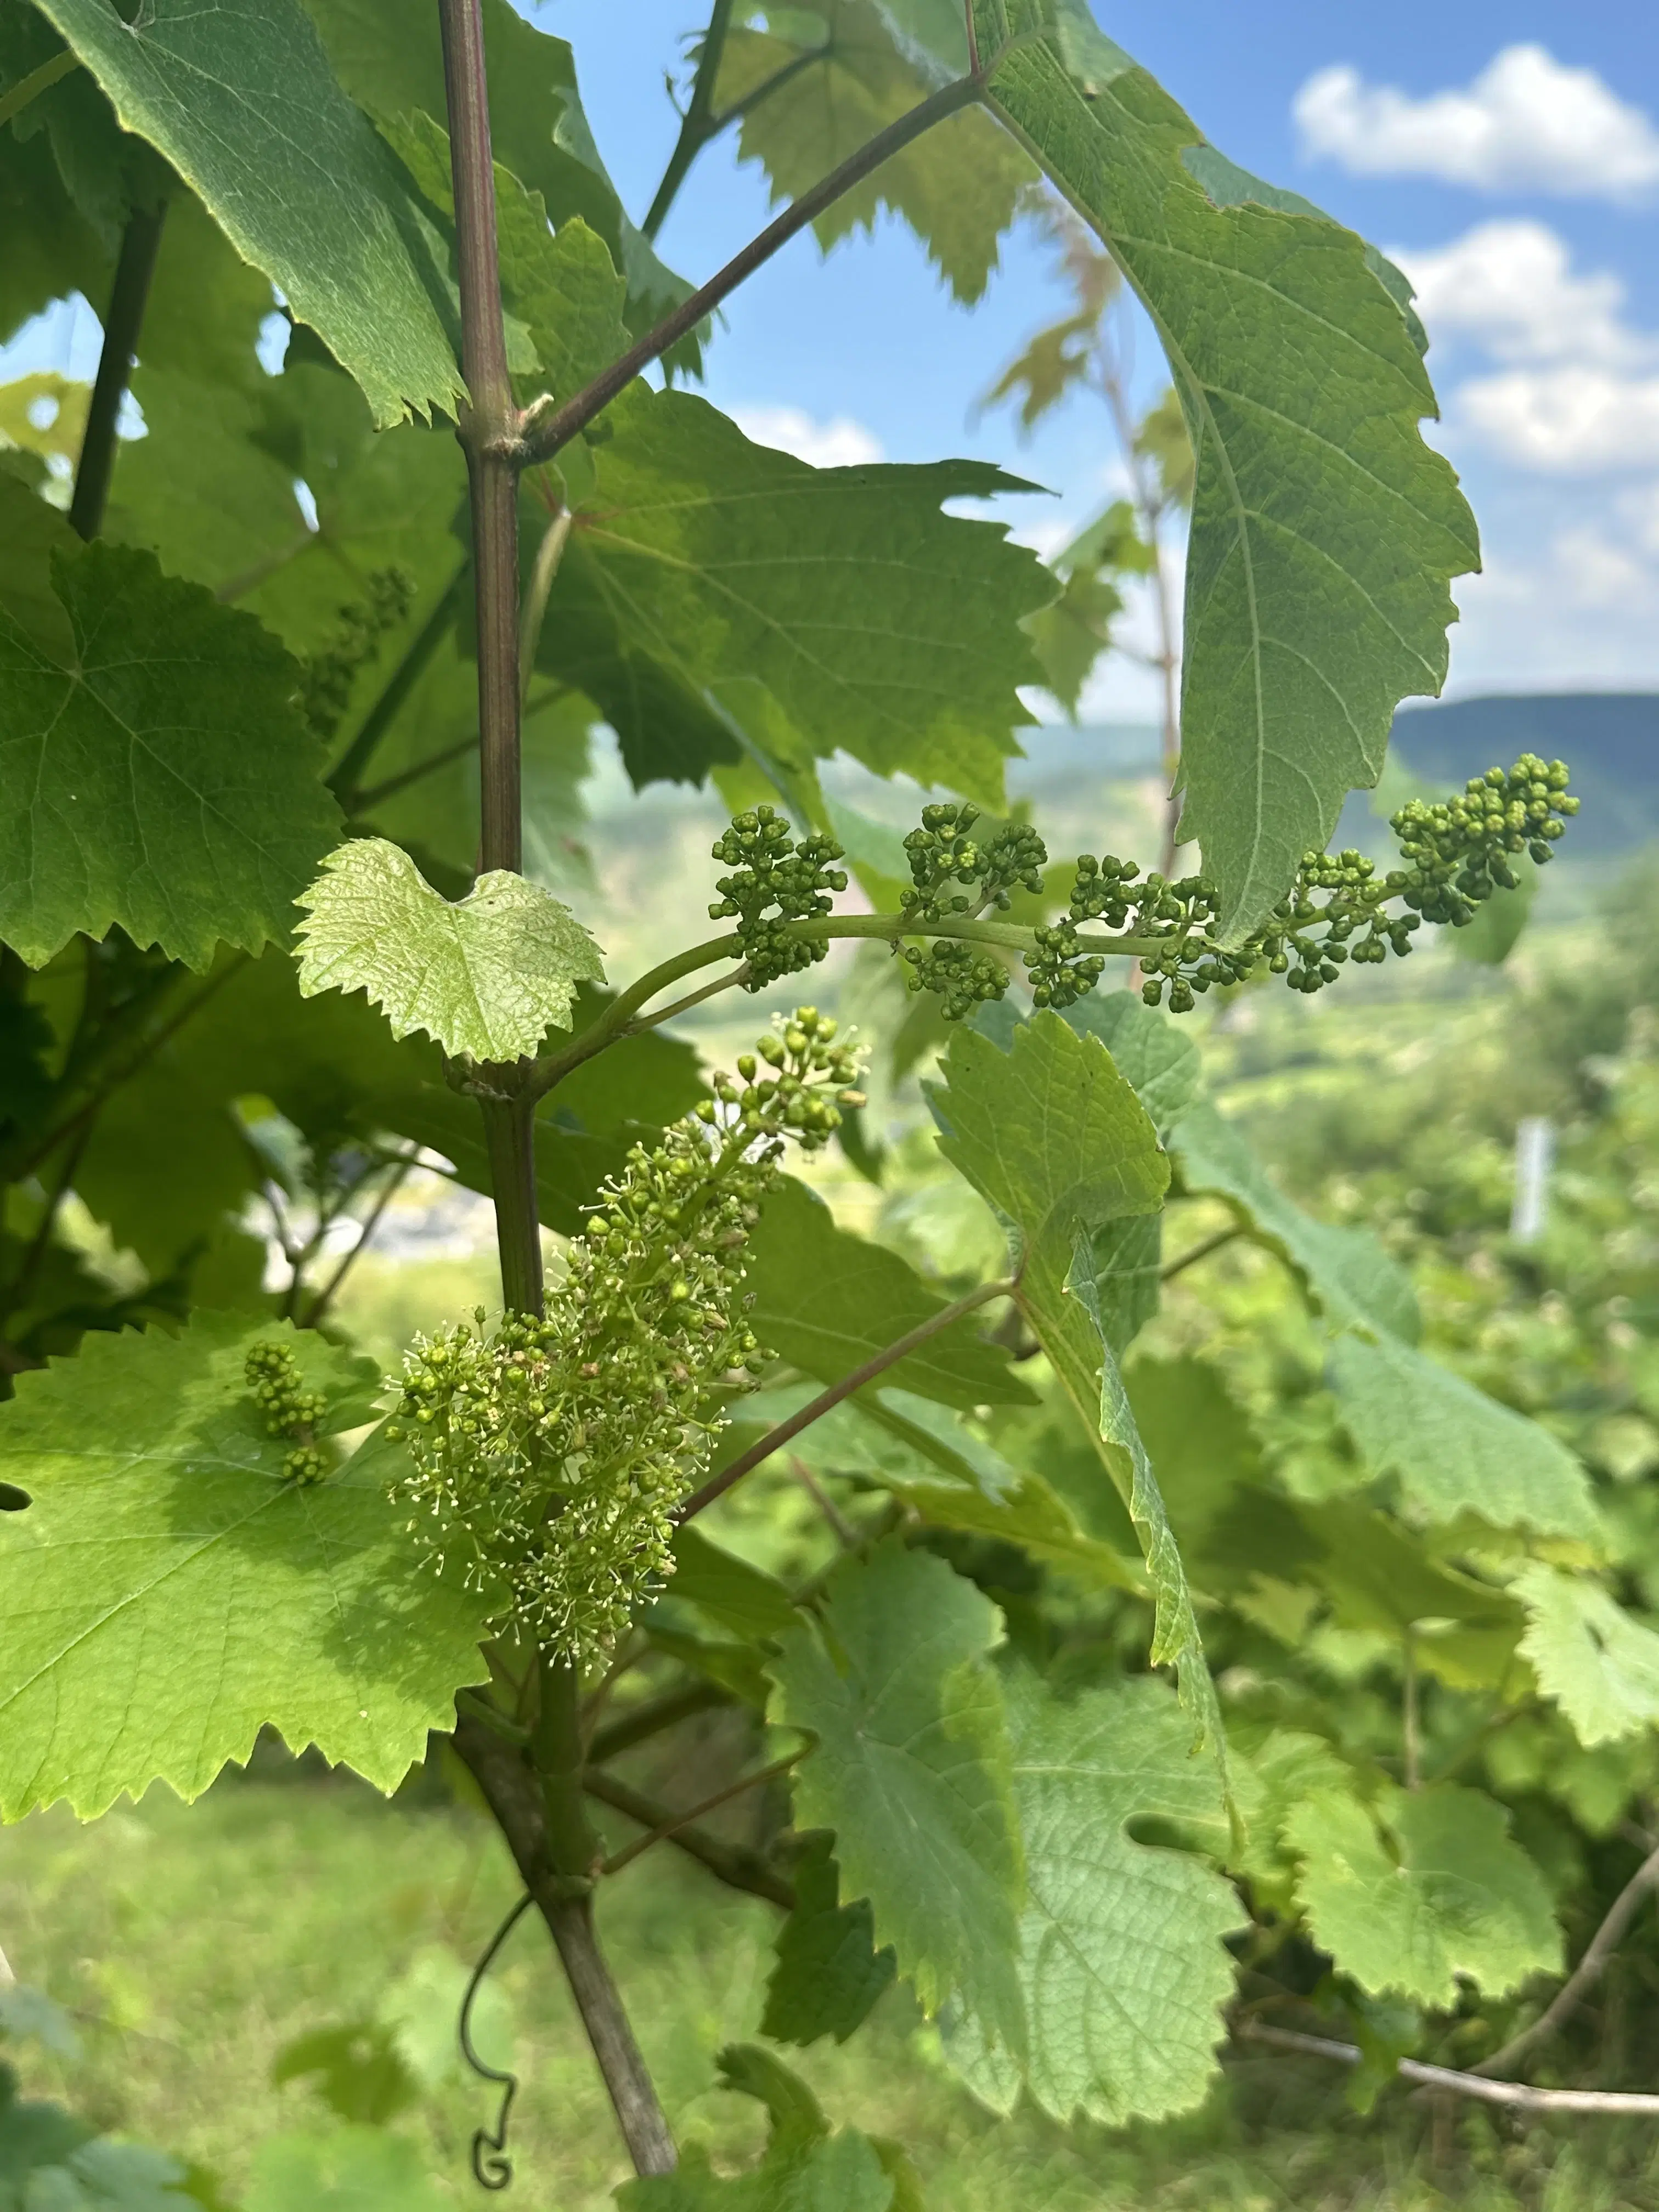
331, 672
548, 1452
771, 871
273, 1381
1457, 853
943, 853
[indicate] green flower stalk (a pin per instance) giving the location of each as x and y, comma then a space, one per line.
549, 1451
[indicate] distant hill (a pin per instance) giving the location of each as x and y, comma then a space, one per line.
1610, 740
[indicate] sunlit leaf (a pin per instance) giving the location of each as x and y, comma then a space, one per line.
1324, 531
910, 1769
242, 101
169, 1591
1449, 1897
488, 976
1121, 1958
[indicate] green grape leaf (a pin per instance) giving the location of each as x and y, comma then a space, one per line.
742, 1598
48, 249
934, 1463
203, 489
166, 1160
805, 2168
163, 781
827, 1300
1149, 1049
210, 490
1381, 1576
564, 289
1052, 1135
1598, 1663
31, 532
1454, 1449
488, 976
1324, 532
390, 59
1345, 1272
1449, 1897
910, 1769
169, 1591
60, 401
879, 625
242, 101
828, 1974
1122, 1960
356, 2068
957, 187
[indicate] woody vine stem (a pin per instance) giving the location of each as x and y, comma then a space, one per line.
536, 1791
557, 1852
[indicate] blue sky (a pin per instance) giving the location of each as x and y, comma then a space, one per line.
1508, 154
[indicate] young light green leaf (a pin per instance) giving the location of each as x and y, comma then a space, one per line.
1598, 1663
827, 1301
1454, 1449
169, 1591
828, 1973
1324, 531
879, 625
1121, 1957
1051, 1133
487, 978
240, 98
160, 779
910, 1769
957, 187
1451, 1897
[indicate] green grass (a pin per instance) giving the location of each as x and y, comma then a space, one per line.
191, 1944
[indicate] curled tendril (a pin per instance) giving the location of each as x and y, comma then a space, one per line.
491, 2166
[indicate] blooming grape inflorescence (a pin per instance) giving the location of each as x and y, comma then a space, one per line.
548, 1451
1458, 852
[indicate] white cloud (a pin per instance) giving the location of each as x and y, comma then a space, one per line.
841, 444
1580, 609
1570, 420
1580, 392
1527, 123
1510, 287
